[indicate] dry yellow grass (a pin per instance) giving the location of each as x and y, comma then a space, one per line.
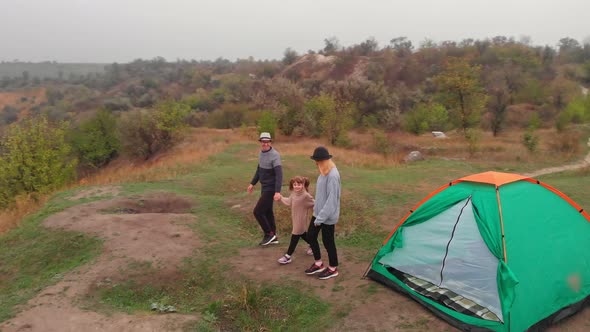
34, 96
201, 143
24, 205
198, 146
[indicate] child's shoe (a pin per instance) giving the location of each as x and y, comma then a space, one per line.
309, 252
284, 260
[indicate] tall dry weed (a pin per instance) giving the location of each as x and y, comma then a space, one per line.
24, 205
197, 147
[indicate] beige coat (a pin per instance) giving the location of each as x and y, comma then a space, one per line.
300, 203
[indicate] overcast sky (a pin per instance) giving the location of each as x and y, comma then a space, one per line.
123, 30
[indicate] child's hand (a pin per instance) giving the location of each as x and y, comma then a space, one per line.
277, 196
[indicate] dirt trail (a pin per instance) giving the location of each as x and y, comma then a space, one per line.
578, 165
160, 239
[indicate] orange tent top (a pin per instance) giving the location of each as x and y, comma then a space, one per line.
496, 178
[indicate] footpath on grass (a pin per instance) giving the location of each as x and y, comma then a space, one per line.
584, 163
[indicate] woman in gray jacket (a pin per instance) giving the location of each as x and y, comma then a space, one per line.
325, 214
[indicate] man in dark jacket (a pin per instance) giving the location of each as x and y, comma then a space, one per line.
270, 175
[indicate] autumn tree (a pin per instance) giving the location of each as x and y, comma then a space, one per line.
35, 158
368, 47
562, 91
144, 133
498, 88
96, 141
336, 122
289, 56
402, 46
327, 116
267, 123
460, 91
332, 45
426, 116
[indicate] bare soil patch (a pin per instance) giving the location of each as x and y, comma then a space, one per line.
368, 305
159, 239
23, 99
96, 192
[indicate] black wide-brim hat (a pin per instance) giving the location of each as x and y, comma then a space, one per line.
321, 153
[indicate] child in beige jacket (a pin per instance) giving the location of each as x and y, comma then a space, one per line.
301, 203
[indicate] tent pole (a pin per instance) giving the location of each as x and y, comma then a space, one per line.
501, 223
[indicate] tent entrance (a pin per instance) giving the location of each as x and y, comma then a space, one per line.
447, 254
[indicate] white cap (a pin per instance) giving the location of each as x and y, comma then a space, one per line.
265, 136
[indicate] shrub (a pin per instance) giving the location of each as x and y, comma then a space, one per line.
35, 158
424, 117
381, 143
567, 142
473, 137
229, 116
117, 104
267, 123
135, 133
8, 115
143, 134
530, 140
96, 141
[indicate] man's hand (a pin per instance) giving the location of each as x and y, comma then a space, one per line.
250, 188
277, 196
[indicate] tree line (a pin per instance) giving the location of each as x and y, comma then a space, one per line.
140, 108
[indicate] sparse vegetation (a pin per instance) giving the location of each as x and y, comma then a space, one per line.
375, 196
34, 159
371, 104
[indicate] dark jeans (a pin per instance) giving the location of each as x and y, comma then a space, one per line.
294, 241
264, 213
327, 238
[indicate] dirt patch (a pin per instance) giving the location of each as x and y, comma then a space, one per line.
368, 305
159, 240
362, 300
96, 192
157, 203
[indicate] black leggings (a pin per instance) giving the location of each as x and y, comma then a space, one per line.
327, 238
264, 213
294, 241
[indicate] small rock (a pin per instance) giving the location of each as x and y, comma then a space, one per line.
414, 156
439, 134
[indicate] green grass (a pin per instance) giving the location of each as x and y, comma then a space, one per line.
227, 300
574, 184
33, 257
374, 200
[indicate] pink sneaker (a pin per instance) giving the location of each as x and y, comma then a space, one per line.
309, 252
284, 260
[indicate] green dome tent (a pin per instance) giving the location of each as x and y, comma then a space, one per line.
491, 251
